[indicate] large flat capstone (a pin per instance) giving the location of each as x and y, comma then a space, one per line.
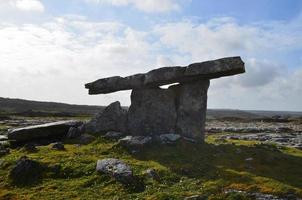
168, 75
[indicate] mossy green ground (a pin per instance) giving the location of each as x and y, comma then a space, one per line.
185, 169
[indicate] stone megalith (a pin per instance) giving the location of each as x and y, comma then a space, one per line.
152, 112
191, 105
180, 109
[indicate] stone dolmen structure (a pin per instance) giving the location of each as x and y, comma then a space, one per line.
179, 109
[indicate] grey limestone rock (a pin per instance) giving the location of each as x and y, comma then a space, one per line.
168, 75
3, 138
152, 112
26, 171
58, 146
113, 135
112, 118
49, 130
116, 169
151, 173
135, 142
191, 109
164, 75
169, 138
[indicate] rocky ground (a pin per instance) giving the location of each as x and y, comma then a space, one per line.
285, 134
241, 159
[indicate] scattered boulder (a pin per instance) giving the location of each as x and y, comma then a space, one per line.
3, 138
86, 139
116, 169
113, 135
152, 112
49, 130
3, 150
151, 173
169, 138
249, 159
196, 197
112, 118
30, 147
75, 132
26, 171
135, 142
58, 146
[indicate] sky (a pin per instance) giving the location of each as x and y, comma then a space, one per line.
50, 48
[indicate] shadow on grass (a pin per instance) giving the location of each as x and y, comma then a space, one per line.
227, 161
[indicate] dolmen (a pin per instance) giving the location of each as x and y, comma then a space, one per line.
179, 109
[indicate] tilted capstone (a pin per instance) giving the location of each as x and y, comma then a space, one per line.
179, 109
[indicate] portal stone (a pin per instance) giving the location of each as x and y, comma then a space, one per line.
191, 105
152, 112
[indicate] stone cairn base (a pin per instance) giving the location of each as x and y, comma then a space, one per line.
179, 109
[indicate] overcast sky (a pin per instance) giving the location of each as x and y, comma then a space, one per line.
50, 48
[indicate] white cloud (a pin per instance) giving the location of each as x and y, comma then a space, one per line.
149, 6
53, 60
23, 5
223, 37
30, 5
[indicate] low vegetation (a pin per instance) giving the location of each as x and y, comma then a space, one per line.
185, 169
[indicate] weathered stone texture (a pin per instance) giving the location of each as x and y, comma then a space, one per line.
49, 130
180, 109
112, 118
168, 75
152, 112
191, 108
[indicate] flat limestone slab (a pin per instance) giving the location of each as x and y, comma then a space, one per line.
168, 75
55, 129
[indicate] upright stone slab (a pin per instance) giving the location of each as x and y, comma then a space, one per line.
112, 118
152, 112
191, 108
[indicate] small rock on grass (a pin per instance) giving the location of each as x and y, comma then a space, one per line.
115, 168
86, 139
113, 135
26, 171
3, 150
3, 138
58, 146
30, 147
196, 197
135, 142
121, 172
151, 173
169, 138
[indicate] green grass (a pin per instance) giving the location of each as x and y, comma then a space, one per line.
185, 169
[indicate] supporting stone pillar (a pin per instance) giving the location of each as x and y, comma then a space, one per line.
180, 109
191, 103
152, 112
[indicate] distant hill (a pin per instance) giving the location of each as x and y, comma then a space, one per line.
36, 108
228, 113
